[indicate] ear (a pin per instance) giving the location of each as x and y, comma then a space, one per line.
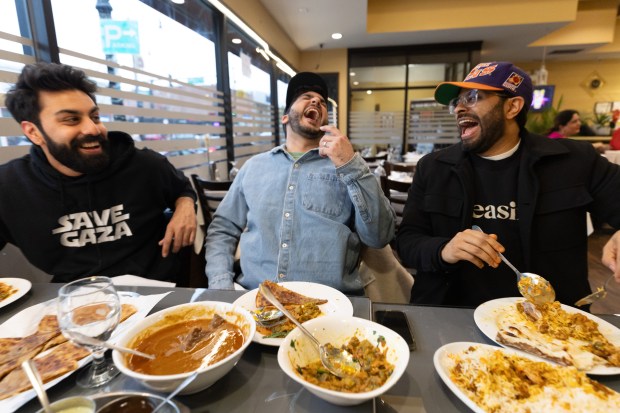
513, 107
32, 132
284, 119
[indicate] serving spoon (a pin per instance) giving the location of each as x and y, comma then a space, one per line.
37, 384
269, 318
176, 391
91, 341
337, 361
531, 286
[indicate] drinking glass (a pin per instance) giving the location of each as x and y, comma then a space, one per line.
90, 306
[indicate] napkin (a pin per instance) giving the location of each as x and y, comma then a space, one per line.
134, 280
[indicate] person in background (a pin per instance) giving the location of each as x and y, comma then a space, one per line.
529, 194
301, 211
566, 123
85, 201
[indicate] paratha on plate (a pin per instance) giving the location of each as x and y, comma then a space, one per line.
285, 296
548, 331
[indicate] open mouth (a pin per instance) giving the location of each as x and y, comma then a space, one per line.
312, 114
91, 146
469, 127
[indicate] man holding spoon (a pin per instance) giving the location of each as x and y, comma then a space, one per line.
529, 193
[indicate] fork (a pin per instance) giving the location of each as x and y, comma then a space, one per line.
601, 292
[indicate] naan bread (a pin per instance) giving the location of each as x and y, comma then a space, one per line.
14, 351
285, 296
62, 359
570, 339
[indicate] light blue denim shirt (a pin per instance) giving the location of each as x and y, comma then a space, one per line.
303, 220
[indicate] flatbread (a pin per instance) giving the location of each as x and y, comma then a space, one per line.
62, 359
570, 339
285, 296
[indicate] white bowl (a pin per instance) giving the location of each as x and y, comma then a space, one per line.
207, 374
339, 330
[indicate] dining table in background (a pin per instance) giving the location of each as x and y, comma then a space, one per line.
613, 156
257, 384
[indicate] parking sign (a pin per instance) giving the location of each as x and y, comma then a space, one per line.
120, 36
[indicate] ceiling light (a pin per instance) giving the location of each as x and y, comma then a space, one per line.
178, 1
369, 92
356, 83
336, 36
303, 10
236, 40
352, 74
251, 33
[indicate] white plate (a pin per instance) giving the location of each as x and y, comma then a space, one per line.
26, 321
443, 363
22, 286
337, 303
486, 314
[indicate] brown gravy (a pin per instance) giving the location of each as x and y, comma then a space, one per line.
186, 346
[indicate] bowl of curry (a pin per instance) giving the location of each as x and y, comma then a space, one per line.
383, 356
207, 336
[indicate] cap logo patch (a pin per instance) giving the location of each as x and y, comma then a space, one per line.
513, 81
483, 69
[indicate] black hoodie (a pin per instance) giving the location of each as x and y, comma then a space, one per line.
107, 223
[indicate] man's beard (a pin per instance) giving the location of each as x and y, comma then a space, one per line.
491, 130
295, 118
70, 156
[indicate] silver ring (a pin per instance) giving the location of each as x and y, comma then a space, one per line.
325, 144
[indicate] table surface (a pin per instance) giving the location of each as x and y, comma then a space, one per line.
257, 384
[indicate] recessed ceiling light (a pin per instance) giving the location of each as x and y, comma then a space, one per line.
356, 83
336, 36
178, 1
369, 92
236, 40
352, 74
303, 10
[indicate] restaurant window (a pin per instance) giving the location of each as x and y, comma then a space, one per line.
387, 88
15, 51
249, 70
149, 85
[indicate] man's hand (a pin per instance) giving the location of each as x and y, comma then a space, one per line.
336, 146
611, 255
181, 229
473, 246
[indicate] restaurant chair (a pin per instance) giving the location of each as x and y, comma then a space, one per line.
210, 194
396, 192
398, 167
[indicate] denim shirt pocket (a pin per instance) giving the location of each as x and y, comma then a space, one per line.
324, 193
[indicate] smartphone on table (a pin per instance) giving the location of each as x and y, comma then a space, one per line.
397, 321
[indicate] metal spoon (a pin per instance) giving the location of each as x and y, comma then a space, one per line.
91, 341
601, 292
338, 361
176, 391
33, 375
269, 318
531, 286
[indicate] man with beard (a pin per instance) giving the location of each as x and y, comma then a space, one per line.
301, 211
528, 193
85, 201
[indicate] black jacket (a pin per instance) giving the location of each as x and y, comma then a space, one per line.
96, 224
559, 180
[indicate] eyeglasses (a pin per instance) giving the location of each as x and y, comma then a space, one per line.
469, 99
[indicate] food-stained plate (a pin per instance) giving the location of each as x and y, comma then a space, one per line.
337, 303
21, 285
486, 315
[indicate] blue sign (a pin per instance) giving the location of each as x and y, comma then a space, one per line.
119, 36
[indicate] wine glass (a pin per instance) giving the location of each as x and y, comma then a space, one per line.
90, 306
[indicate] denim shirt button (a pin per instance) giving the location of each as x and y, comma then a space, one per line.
284, 245
291, 187
281, 275
296, 165
287, 214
